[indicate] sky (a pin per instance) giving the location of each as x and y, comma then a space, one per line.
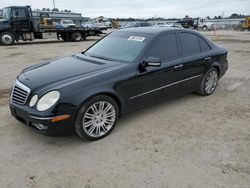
142, 8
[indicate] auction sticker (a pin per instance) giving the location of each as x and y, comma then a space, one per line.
137, 38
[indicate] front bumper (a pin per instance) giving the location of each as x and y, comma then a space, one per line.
44, 124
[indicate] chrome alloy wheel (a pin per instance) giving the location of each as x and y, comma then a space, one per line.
7, 39
211, 82
99, 119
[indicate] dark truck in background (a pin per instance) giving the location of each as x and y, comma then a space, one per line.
187, 23
18, 24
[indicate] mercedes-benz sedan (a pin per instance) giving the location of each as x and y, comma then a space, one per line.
87, 92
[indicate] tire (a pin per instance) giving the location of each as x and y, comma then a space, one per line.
7, 38
92, 123
76, 37
204, 28
209, 82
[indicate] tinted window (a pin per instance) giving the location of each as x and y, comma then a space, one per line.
189, 43
165, 47
204, 45
19, 14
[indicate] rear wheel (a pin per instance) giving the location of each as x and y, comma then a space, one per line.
209, 82
97, 118
7, 38
76, 37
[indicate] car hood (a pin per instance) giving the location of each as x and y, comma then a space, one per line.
58, 71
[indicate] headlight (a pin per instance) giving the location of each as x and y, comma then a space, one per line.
48, 100
33, 100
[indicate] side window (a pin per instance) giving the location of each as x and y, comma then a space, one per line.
19, 14
204, 45
189, 43
165, 47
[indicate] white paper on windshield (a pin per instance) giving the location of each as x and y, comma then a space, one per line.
136, 38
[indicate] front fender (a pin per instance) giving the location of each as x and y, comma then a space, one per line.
8, 28
5, 27
78, 97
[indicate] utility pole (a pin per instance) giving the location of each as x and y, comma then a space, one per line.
54, 4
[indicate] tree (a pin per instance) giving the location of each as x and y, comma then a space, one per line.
234, 15
55, 9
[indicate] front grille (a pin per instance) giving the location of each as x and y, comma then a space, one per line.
20, 93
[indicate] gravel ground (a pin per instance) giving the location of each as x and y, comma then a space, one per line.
191, 141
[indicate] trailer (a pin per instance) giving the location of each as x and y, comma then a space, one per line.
18, 24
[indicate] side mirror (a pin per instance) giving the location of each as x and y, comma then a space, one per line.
151, 62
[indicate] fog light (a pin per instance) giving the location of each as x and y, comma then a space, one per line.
33, 100
40, 126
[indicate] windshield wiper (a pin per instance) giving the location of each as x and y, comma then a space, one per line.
99, 57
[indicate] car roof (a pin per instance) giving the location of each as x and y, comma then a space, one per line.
149, 30
159, 30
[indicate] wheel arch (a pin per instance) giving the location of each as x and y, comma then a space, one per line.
217, 67
10, 31
107, 93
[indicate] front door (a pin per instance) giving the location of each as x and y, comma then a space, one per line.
20, 20
152, 82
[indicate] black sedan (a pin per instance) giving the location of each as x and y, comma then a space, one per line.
87, 92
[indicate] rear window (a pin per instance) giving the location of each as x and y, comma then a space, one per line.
204, 45
165, 47
189, 43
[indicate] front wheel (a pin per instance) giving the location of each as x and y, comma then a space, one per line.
204, 28
209, 82
97, 118
6, 38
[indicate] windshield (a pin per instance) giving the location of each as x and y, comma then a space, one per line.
120, 46
130, 24
6, 13
68, 22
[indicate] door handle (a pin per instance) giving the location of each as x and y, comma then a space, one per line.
207, 58
178, 66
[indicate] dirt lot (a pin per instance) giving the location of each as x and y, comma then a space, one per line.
189, 142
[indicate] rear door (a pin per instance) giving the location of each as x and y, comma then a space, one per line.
194, 53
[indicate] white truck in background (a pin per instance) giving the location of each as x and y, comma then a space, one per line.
204, 24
